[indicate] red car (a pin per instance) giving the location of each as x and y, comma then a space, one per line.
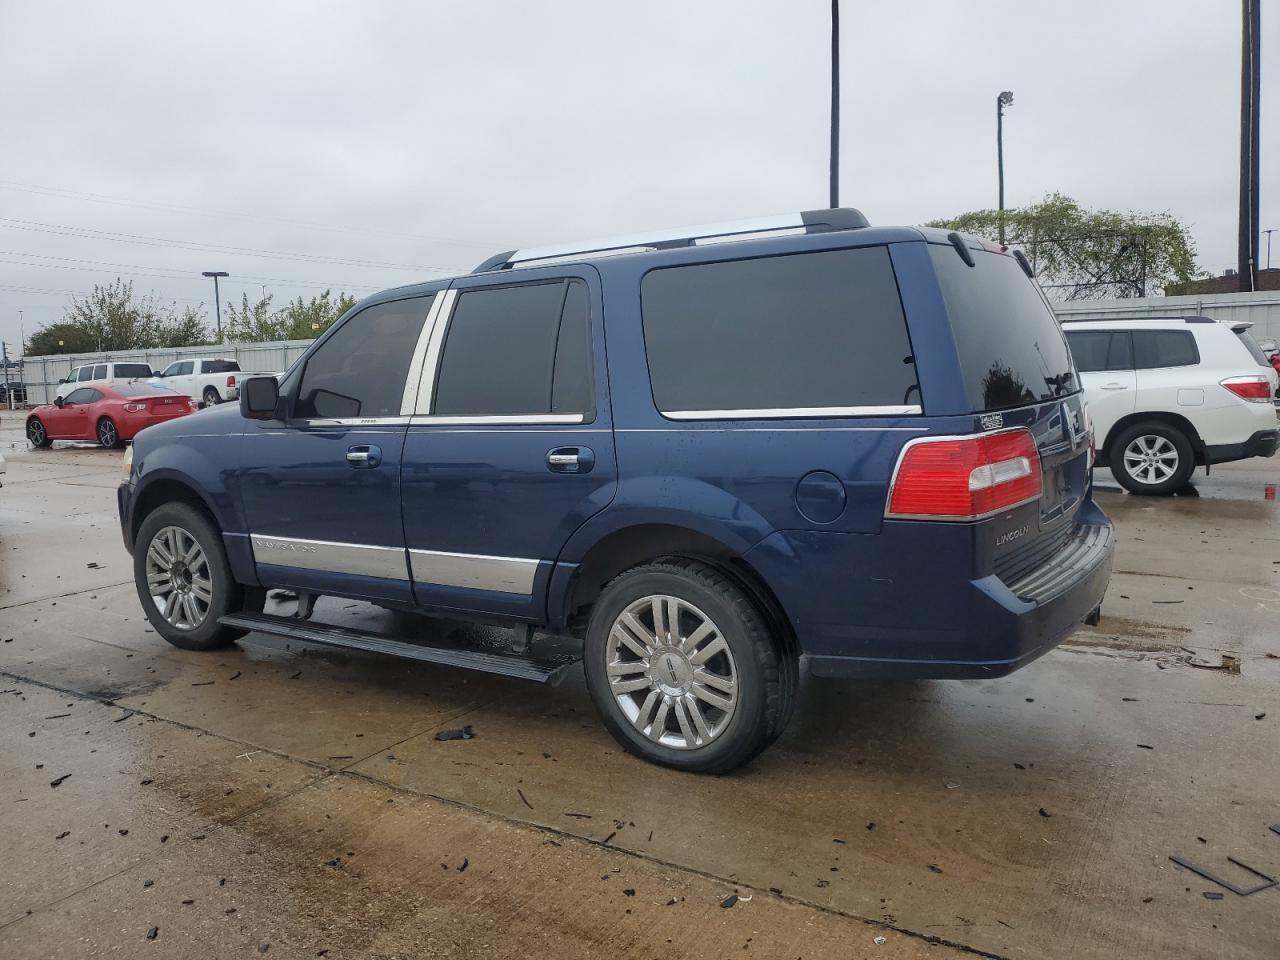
110, 413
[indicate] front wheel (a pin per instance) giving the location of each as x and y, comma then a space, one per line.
684, 668
1152, 459
37, 435
183, 579
109, 434
211, 397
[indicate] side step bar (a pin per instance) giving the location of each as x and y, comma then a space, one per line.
541, 670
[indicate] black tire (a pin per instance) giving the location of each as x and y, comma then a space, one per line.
37, 435
227, 596
211, 397
109, 434
1171, 451
765, 681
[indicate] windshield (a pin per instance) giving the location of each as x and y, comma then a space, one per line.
1012, 351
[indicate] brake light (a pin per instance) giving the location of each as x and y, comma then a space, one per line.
965, 478
231, 381
1253, 389
135, 407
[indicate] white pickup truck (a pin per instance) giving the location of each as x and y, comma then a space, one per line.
209, 380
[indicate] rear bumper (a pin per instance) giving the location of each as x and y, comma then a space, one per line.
1261, 444
915, 620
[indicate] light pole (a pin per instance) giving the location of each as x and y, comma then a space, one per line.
1004, 100
1269, 233
217, 302
835, 103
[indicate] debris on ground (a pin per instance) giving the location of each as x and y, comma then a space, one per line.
1260, 716
59, 781
1229, 663
524, 799
465, 863
879, 941
933, 867
629, 892
1212, 895
465, 733
153, 933
728, 901
1045, 813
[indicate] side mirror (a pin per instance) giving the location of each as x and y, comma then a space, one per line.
259, 397
58, 401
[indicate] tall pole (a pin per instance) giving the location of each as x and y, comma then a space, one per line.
1005, 99
835, 103
1269, 233
8, 391
217, 302
1250, 91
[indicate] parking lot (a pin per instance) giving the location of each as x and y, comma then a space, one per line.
278, 798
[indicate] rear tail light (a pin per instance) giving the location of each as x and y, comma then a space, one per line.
1253, 389
965, 478
231, 381
195, 404
135, 407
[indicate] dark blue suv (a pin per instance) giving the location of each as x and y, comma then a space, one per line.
707, 456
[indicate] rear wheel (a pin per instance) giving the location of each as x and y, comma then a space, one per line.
685, 668
1152, 459
109, 434
211, 397
183, 579
37, 435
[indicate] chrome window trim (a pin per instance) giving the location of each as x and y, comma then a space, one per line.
786, 413
431, 360
327, 556
696, 431
545, 419
351, 421
473, 571
409, 399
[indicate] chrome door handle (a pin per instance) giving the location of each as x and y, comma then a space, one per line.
563, 459
571, 460
357, 456
1114, 386
364, 456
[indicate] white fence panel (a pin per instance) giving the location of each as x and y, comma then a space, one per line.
1261, 309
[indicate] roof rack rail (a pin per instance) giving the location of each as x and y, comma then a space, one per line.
1183, 319
806, 221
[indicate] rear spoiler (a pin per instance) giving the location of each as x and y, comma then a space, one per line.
1239, 326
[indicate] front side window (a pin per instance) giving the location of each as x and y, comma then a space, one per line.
521, 350
1164, 348
766, 335
85, 374
360, 370
83, 395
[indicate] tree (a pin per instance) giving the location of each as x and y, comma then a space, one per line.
112, 318
297, 320
252, 323
1081, 254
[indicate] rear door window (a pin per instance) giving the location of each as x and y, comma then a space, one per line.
360, 370
521, 350
805, 334
1164, 348
99, 372
1098, 350
1012, 351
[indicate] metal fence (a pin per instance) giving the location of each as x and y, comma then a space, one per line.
42, 374
1261, 309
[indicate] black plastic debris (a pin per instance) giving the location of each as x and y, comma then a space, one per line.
629, 892
728, 901
465, 863
465, 733
1212, 895
153, 933
934, 868
1146, 746
59, 781
524, 799
63, 835
147, 883
1045, 813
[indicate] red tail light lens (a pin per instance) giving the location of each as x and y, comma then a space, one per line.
1253, 389
135, 407
231, 381
965, 478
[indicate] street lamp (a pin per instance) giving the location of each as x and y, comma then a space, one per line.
1267, 232
217, 303
1004, 100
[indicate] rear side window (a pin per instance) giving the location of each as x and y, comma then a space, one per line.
360, 370
127, 371
1011, 348
1164, 348
812, 331
517, 351
1096, 350
100, 372
219, 366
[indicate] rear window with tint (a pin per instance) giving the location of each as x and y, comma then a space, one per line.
1011, 347
126, 371
1095, 350
770, 334
1164, 348
219, 366
1251, 345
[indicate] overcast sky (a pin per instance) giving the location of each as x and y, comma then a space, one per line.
375, 143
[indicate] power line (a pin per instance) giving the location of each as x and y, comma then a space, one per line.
46, 291
90, 233
68, 194
173, 273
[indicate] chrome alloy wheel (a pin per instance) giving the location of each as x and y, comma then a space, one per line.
35, 433
178, 578
671, 672
107, 434
1151, 459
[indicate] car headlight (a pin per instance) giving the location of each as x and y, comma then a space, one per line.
126, 469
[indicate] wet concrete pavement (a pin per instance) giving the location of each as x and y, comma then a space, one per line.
1031, 816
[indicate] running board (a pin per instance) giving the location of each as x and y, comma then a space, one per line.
541, 670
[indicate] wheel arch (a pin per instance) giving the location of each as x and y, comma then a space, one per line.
170, 489
1176, 420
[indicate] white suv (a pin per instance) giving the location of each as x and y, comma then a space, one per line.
1168, 394
92, 373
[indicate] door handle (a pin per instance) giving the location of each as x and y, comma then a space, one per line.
1114, 386
571, 459
364, 456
